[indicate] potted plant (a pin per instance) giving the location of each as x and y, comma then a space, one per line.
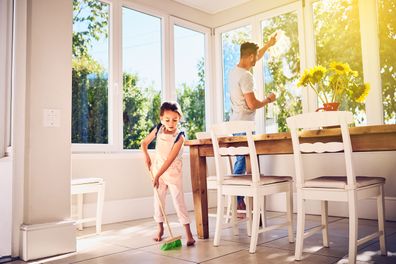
333, 84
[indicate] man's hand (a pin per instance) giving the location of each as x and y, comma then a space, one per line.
271, 42
271, 97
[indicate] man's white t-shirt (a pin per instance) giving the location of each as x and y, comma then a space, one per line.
240, 82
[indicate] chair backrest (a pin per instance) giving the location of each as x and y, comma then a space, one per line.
234, 127
318, 120
207, 135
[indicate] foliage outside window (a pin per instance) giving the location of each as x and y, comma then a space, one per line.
337, 38
387, 34
281, 71
90, 72
231, 42
190, 78
142, 79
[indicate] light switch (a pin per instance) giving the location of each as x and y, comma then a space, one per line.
51, 118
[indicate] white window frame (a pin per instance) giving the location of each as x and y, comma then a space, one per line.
174, 21
370, 56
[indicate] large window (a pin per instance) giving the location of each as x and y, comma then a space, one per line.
190, 77
387, 33
90, 79
230, 44
281, 69
142, 76
337, 38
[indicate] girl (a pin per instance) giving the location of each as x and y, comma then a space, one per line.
167, 166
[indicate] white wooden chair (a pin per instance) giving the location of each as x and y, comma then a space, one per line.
211, 181
254, 185
83, 186
349, 188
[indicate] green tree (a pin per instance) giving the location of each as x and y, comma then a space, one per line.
192, 103
387, 31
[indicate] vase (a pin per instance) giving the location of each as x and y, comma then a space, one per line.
329, 107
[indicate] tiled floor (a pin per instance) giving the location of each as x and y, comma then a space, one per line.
131, 242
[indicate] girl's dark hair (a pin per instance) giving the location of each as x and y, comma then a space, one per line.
171, 106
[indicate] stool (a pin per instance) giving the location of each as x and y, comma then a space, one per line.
82, 186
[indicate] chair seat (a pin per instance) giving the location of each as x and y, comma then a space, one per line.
340, 182
211, 182
86, 181
246, 179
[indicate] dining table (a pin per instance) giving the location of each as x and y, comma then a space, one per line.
364, 139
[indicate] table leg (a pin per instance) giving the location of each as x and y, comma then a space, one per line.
199, 189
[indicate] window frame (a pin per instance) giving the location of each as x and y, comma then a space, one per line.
175, 21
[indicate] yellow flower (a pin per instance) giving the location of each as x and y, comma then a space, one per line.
317, 73
362, 97
340, 68
305, 78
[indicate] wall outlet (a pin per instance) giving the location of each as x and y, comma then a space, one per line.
51, 118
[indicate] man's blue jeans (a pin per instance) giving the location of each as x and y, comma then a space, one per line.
240, 166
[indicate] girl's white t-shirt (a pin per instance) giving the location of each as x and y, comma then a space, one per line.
240, 82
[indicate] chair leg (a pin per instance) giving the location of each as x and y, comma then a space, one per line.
289, 207
381, 220
234, 220
80, 201
219, 218
353, 225
300, 227
229, 208
99, 209
325, 223
249, 215
255, 225
263, 210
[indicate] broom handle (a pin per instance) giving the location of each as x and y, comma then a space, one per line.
162, 208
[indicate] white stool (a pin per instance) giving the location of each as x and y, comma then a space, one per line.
89, 185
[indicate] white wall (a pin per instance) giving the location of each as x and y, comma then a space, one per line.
5, 206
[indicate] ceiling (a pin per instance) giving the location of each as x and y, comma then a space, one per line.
212, 6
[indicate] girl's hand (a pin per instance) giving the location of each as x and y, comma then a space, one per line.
148, 162
156, 182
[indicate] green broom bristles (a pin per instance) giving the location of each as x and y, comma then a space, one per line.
171, 244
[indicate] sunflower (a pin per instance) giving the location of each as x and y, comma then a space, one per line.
366, 88
305, 78
340, 68
317, 73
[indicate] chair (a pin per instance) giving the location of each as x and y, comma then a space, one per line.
211, 182
83, 186
254, 185
349, 188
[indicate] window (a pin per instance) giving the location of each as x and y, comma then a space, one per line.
142, 75
281, 69
90, 74
387, 34
230, 46
337, 38
190, 77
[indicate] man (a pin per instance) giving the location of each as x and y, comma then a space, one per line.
242, 92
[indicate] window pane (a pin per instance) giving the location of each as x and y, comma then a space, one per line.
387, 30
231, 42
142, 80
190, 78
337, 38
281, 71
90, 72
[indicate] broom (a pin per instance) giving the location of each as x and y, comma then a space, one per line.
173, 241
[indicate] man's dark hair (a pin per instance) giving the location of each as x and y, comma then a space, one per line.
248, 48
171, 106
